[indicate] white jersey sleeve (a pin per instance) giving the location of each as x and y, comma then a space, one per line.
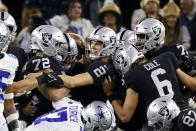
9, 64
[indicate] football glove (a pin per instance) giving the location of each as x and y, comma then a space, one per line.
51, 79
189, 63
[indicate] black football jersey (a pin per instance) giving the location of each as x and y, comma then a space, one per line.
38, 63
185, 121
35, 64
99, 71
156, 78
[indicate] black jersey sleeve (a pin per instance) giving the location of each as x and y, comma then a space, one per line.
100, 70
179, 51
37, 63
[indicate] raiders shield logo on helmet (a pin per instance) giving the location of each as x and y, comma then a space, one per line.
156, 30
46, 37
120, 59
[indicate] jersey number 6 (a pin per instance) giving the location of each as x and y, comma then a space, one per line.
160, 85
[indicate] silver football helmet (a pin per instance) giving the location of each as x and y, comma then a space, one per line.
11, 24
150, 34
68, 52
124, 37
161, 112
124, 57
4, 37
47, 38
96, 117
107, 38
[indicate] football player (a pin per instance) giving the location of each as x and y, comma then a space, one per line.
149, 80
150, 34
45, 40
74, 117
8, 67
136, 122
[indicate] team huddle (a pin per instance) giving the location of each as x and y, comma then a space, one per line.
128, 81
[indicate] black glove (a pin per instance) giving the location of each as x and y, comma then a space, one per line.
189, 63
51, 79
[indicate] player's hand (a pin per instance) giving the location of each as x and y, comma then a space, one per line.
189, 63
53, 80
107, 86
79, 39
30, 109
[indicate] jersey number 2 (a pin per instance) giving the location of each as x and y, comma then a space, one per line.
100, 71
161, 85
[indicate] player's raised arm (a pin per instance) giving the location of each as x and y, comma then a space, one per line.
82, 79
25, 85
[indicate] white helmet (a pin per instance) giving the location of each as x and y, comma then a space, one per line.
4, 37
68, 52
125, 37
153, 33
124, 57
11, 24
96, 117
47, 38
104, 35
161, 112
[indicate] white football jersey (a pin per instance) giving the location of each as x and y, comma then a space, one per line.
8, 66
67, 118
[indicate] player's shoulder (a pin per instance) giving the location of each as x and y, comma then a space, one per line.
11, 58
34, 57
9, 62
166, 55
98, 64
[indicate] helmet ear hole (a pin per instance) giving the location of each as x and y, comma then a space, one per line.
10, 28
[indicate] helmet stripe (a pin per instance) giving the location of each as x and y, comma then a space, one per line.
2, 16
122, 34
98, 29
68, 42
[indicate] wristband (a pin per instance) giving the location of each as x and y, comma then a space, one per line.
9, 96
16, 129
12, 117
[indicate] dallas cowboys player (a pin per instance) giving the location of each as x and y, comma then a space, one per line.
74, 117
8, 66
